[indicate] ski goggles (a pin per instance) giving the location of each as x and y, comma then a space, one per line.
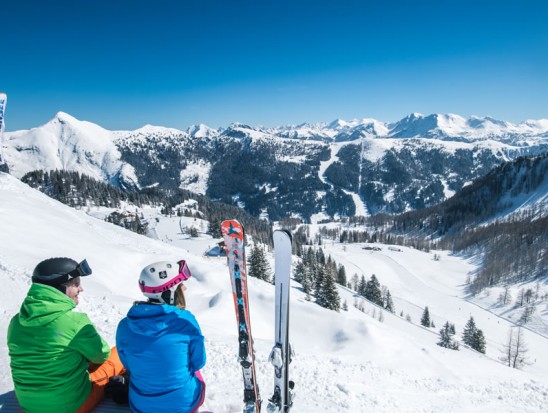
81, 270
184, 271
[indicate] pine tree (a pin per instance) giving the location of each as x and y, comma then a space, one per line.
258, 264
425, 319
446, 337
362, 286
328, 296
319, 275
307, 286
299, 272
389, 303
473, 336
214, 228
469, 332
341, 275
479, 343
320, 256
373, 291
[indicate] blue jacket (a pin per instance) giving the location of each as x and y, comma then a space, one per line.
161, 346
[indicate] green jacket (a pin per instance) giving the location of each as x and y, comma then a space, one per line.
50, 347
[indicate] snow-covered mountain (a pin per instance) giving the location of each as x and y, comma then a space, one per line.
311, 169
346, 361
67, 143
454, 127
449, 127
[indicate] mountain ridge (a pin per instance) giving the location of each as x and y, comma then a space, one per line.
413, 125
406, 165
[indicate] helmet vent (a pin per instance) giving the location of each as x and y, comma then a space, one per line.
162, 274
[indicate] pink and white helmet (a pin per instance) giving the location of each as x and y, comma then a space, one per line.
158, 281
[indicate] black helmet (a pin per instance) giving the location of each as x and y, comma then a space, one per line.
57, 271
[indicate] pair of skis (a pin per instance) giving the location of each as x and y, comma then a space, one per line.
280, 357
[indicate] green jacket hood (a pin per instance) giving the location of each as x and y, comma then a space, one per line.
43, 305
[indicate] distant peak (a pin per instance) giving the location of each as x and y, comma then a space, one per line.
338, 123
201, 131
415, 115
148, 128
235, 125
64, 117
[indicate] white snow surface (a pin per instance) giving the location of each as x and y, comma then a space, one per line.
194, 177
346, 361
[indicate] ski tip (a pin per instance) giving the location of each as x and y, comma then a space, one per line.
232, 228
284, 231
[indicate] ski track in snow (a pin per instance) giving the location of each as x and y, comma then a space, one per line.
361, 210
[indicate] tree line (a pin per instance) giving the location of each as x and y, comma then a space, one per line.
79, 191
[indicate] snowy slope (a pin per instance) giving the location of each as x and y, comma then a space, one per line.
344, 361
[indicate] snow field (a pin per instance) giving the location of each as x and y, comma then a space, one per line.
345, 361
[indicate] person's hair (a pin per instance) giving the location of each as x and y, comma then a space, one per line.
180, 301
73, 282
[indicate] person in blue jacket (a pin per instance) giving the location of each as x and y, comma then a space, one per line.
161, 345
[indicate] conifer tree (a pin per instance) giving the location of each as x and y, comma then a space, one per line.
373, 291
446, 337
469, 332
362, 286
308, 282
479, 343
389, 305
473, 336
319, 275
328, 296
320, 256
425, 319
341, 275
299, 272
214, 228
258, 264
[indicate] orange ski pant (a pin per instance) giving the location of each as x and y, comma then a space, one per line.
100, 375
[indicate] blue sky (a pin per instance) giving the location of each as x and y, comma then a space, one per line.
123, 64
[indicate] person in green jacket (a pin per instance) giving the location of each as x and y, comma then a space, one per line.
59, 362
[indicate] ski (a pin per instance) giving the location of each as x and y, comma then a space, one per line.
233, 235
280, 357
3, 163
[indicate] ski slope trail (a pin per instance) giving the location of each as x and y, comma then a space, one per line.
361, 210
416, 280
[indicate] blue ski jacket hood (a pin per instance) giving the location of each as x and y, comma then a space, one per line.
162, 347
